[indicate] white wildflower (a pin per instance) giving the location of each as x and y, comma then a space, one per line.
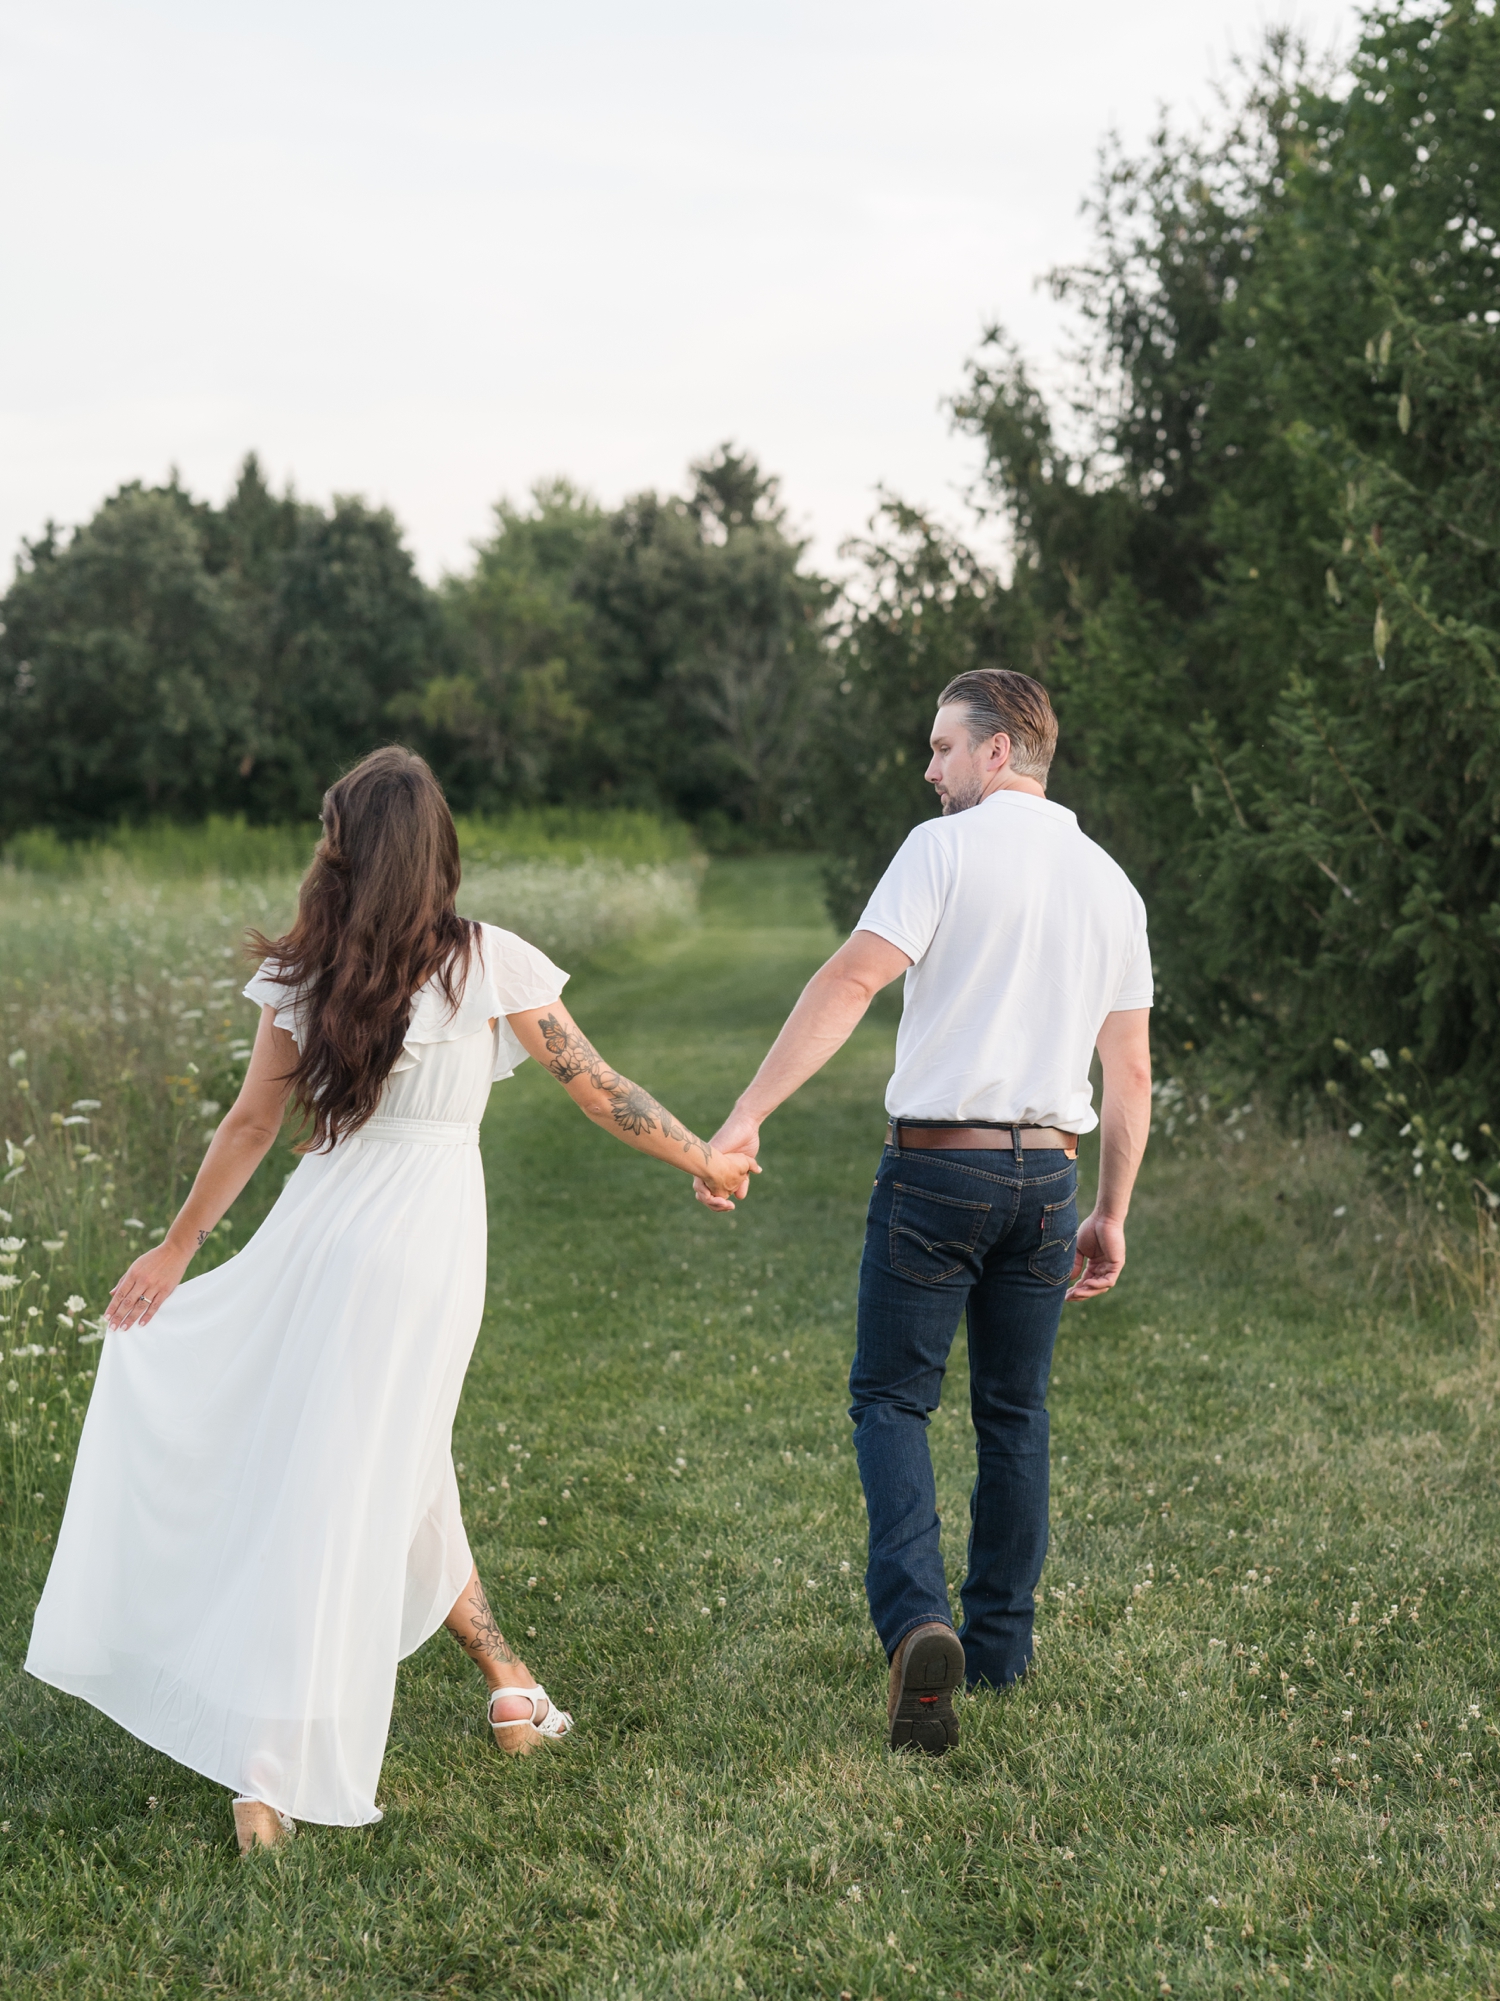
16, 1058
52, 1244
1356, 1129
64, 1321
12, 1244
87, 1104
78, 1119
1379, 1058
8, 1281
1459, 1151
74, 1303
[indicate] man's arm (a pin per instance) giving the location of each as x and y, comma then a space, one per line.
828, 1011
1124, 1045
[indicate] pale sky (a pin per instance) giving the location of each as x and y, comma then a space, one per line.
433, 253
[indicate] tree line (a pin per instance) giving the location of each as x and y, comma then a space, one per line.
172, 657
1253, 553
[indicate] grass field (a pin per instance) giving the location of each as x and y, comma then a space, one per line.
1257, 1754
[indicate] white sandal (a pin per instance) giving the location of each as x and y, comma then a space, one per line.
257, 1825
528, 1731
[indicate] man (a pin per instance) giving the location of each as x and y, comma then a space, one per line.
1024, 949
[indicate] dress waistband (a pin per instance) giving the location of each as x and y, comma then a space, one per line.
385, 1126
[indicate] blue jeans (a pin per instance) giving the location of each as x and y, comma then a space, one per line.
946, 1231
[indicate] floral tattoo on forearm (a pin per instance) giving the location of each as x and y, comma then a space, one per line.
633, 1109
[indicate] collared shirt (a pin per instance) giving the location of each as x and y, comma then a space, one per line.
1023, 936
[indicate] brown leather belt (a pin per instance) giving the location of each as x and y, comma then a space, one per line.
986, 1139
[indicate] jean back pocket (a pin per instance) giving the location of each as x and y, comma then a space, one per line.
933, 1237
1057, 1246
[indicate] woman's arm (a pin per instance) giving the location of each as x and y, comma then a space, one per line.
551, 1035
239, 1146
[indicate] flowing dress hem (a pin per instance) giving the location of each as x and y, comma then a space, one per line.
218, 1778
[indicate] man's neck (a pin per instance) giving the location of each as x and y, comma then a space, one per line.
1006, 780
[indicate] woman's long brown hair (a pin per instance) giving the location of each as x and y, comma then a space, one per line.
375, 919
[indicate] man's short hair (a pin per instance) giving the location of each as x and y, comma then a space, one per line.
996, 699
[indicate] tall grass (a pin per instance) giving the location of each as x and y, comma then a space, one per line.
125, 1038
223, 846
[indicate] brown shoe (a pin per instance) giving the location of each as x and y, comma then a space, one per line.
925, 1669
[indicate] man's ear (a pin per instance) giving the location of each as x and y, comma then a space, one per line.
999, 751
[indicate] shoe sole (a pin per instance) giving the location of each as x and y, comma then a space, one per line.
932, 1669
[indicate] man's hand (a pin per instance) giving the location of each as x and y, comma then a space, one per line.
1101, 1256
738, 1134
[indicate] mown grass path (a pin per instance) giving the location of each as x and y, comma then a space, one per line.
1258, 1754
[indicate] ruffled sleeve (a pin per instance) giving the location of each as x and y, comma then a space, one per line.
506, 976
266, 989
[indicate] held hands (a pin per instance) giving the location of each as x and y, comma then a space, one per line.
1101, 1256
737, 1140
726, 1173
146, 1287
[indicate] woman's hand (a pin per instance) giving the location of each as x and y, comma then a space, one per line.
146, 1287
725, 1174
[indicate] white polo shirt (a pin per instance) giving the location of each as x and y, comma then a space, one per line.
1023, 936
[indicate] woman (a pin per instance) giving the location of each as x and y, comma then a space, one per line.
264, 1517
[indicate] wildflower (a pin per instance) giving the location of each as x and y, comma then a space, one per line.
13, 1386
87, 1104
12, 1245
16, 1058
74, 1304
131, 1223
8, 1281
843, 1566
64, 1321
1379, 1058
1459, 1151
682, 1462
53, 1244
811, 1583
723, 1601
1342, 1210
531, 1584
77, 1119
1356, 1129
541, 1521
531, 1632
704, 1611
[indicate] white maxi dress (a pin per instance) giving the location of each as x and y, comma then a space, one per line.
263, 1518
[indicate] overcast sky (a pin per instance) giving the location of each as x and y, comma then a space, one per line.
433, 253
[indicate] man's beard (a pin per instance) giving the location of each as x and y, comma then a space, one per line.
961, 797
